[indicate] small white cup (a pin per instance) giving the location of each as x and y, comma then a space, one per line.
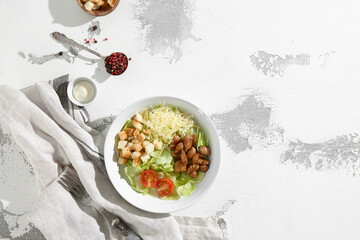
70, 89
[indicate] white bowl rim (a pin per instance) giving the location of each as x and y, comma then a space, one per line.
124, 188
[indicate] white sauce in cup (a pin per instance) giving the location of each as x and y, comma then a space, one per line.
83, 91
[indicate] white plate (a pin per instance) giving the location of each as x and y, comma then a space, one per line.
148, 203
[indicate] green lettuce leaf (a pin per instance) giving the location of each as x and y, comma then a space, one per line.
162, 160
201, 139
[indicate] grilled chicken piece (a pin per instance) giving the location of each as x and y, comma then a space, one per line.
177, 139
179, 147
204, 150
188, 139
179, 167
183, 157
172, 146
191, 153
196, 158
204, 168
205, 162
176, 155
194, 141
192, 170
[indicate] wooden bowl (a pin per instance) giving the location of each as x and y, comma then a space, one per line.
102, 11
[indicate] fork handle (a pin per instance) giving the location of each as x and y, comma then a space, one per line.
125, 230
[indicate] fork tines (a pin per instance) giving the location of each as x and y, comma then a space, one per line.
72, 184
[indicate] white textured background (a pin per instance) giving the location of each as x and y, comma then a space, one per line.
279, 79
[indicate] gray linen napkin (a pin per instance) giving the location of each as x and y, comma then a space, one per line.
53, 134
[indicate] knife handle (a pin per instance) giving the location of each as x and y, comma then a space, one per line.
125, 230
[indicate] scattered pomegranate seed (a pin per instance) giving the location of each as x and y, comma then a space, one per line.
105, 39
129, 59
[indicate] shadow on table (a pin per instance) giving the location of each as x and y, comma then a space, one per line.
100, 74
68, 13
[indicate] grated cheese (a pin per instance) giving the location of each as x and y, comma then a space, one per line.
165, 121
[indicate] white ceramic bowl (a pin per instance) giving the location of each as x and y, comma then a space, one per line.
148, 203
70, 88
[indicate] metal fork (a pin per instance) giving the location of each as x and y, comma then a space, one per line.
72, 184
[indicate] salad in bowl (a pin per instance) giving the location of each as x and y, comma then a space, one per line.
162, 154
164, 151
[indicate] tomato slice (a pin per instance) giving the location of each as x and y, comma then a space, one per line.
164, 187
148, 178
